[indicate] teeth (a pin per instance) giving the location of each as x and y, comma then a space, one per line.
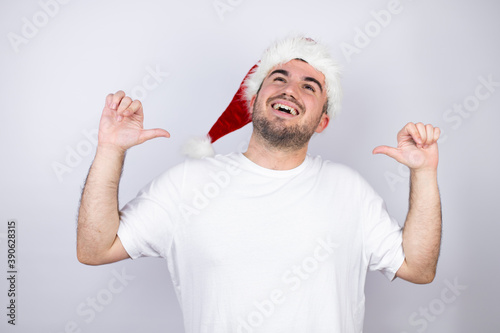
287, 108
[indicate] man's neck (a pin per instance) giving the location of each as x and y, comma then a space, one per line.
273, 158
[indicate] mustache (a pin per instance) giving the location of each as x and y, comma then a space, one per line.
288, 98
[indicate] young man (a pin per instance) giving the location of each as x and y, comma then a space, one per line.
271, 240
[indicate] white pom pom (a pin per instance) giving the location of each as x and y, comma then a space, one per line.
198, 148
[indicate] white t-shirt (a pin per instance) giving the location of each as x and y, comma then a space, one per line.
251, 249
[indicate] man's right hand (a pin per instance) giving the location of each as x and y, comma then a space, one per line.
121, 125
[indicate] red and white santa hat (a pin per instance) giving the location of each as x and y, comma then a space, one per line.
238, 113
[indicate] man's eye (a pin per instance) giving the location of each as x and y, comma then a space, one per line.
308, 86
279, 79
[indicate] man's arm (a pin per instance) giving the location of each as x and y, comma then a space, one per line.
120, 128
417, 149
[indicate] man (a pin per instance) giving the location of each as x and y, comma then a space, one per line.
271, 240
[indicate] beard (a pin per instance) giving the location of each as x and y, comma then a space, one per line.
277, 134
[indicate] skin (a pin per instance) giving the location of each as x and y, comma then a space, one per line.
309, 100
417, 149
121, 127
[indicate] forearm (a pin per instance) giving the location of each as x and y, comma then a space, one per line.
98, 217
422, 230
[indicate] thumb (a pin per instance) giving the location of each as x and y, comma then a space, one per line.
153, 133
386, 150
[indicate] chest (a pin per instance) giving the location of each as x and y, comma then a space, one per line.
269, 232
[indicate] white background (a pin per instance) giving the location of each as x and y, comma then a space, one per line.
57, 65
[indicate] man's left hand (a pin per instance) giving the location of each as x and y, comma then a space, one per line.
417, 147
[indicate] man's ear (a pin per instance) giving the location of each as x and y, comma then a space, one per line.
252, 102
323, 123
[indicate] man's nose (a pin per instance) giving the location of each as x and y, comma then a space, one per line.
291, 89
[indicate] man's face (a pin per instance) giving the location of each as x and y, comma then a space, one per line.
288, 108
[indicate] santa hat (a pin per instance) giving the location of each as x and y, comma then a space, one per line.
238, 113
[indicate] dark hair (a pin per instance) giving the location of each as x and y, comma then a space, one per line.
325, 106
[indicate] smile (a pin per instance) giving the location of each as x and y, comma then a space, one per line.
285, 108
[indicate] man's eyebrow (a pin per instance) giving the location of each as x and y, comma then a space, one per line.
279, 71
307, 78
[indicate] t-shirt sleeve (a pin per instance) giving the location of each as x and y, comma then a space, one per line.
148, 222
383, 236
